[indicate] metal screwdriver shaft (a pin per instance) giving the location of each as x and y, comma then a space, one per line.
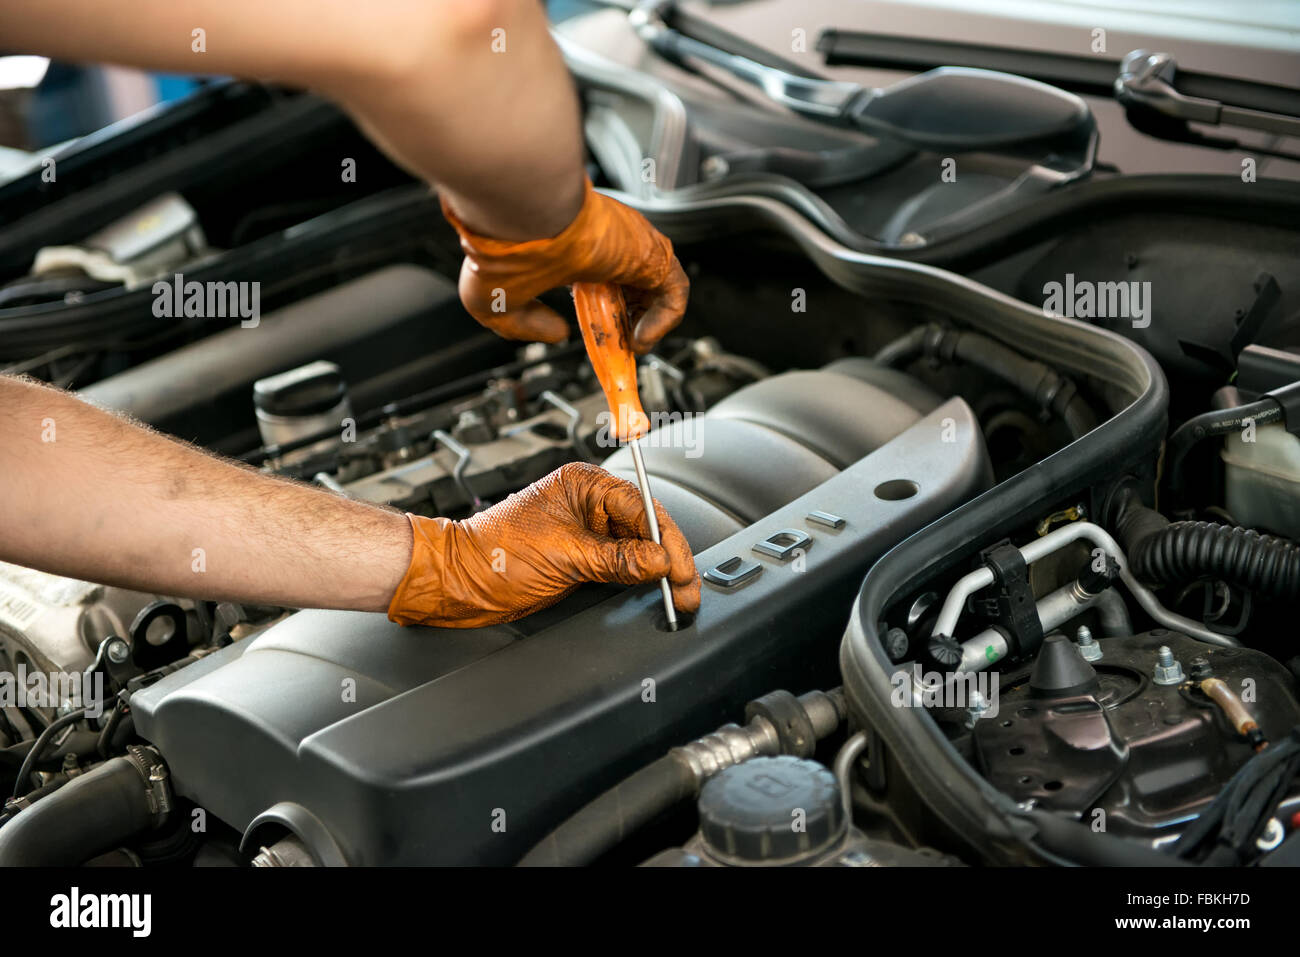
602, 317
648, 500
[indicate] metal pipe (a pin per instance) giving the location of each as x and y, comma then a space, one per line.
844, 761
1054, 541
1054, 610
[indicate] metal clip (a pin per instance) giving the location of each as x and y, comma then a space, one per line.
463, 456
571, 427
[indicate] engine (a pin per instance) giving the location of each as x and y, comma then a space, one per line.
335, 715
998, 547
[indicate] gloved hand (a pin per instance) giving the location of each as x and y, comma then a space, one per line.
606, 242
577, 524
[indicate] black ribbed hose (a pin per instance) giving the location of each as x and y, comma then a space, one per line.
93, 813
1172, 553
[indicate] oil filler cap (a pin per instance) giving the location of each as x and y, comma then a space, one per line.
771, 810
313, 389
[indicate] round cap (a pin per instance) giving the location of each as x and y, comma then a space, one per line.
769, 809
308, 390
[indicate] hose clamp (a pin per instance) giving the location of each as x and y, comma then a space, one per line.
157, 780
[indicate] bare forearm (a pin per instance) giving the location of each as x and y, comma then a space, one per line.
86, 494
487, 110
469, 94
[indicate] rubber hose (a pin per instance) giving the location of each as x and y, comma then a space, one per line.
1079, 844
38, 747
93, 813
12, 810
1112, 615
1172, 553
1187, 551
616, 814
1217, 422
907, 348
1037, 381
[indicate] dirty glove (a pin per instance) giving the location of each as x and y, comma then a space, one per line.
607, 242
577, 524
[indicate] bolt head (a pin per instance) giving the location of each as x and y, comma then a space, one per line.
1168, 670
118, 651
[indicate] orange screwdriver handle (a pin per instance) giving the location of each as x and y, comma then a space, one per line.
607, 333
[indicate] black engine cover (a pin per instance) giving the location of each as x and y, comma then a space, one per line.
382, 745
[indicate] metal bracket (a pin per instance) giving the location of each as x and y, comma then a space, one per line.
571, 426
463, 456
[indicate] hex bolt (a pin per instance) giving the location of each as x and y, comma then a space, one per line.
118, 651
1168, 670
1088, 646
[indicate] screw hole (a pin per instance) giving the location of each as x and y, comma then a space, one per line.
896, 490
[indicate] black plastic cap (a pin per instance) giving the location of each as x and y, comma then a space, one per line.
1095, 582
944, 651
309, 390
771, 809
1060, 670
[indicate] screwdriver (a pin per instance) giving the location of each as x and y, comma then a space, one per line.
607, 333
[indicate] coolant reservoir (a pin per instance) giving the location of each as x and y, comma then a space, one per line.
1262, 479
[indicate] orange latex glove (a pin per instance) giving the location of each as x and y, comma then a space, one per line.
607, 242
577, 524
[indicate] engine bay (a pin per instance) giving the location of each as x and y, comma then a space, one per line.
995, 497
